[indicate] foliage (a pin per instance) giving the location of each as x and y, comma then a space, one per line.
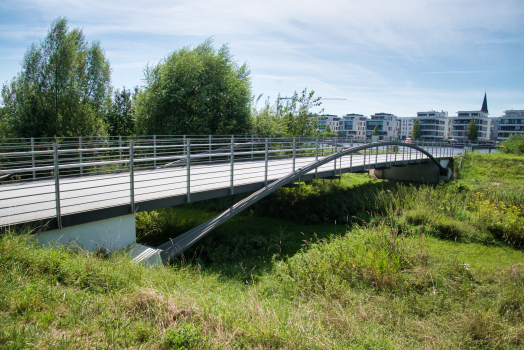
504, 220
473, 131
416, 132
195, 91
63, 87
328, 129
266, 121
513, 145
185, 336
376, 131
291, 118
120, 118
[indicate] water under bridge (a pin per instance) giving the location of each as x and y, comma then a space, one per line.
88, 189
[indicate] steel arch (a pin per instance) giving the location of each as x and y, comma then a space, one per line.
178, 245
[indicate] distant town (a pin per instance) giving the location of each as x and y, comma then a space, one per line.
435, 126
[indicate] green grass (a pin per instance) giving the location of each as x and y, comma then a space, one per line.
415, 267
371, 288
501, 170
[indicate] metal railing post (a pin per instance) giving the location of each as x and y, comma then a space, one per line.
80, 155
316, 158
33, 156
350, 161
336, 150
376, 158
184, 144
131, 177
252, 150
294, 152
57, 186
210, 140
120, 150
188, 168
232, 163
266, 160
154, 150
364, 167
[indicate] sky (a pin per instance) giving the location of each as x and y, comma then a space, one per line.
398, 57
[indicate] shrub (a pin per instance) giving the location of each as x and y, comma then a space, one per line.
514, 145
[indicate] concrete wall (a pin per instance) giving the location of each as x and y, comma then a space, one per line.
423, 172
112, 234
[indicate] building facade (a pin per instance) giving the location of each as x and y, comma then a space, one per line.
353, 125
404, 127
328, 119
433, 125
511, 123
459, 124
387, 126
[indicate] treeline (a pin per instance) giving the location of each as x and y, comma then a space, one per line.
64, 89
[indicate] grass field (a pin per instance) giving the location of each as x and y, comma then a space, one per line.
410, 266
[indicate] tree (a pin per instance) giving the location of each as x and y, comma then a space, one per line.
63, 87
120, 118
195, 91
328, 129
297, 114
473, 131
416, 132
376, 131
290, 118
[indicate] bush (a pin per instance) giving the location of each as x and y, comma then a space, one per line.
514, 145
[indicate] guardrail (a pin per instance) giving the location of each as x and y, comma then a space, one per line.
54, 179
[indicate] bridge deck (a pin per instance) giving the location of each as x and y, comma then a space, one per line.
95, 197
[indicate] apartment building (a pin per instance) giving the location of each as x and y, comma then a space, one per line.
328, 119
387, 126
433, 125
404, 127
511, 123
459, 124
353, 125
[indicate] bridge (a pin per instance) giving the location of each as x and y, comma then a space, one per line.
88, 189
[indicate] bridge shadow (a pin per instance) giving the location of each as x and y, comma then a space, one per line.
278, 226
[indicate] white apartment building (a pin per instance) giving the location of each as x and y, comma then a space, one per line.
353, 125
387, 126
459, 125
404, 127
328, 119
434, 125
511, 123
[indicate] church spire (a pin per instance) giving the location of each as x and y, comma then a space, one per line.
484, 105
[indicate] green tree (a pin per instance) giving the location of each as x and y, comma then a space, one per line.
266, 121
195, 91
63, 87
473, 130
416, 132
328, 129
376, 131
287, 117
120, 118
297, 114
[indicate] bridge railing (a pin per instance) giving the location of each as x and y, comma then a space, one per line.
74, 176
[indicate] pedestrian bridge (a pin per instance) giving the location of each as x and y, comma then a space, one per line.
82, 183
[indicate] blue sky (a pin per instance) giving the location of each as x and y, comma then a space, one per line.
398, 57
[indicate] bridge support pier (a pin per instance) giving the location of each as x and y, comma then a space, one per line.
110, 234
422, 172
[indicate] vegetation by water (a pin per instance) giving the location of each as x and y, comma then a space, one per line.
424, 267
